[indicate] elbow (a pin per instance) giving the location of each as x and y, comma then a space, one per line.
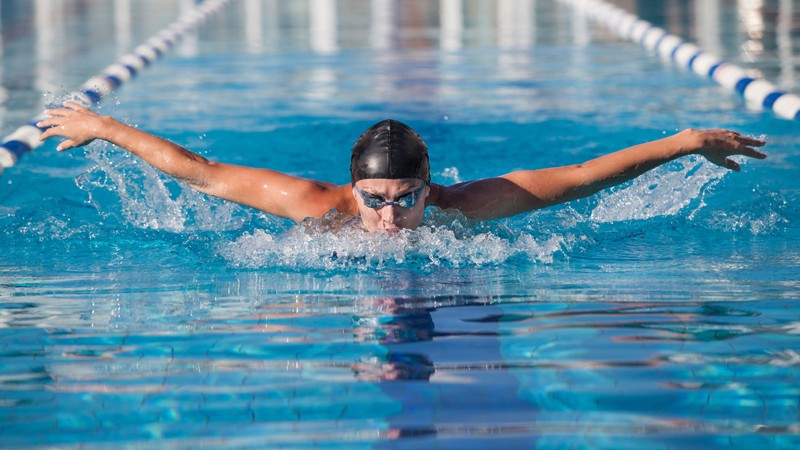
201, 175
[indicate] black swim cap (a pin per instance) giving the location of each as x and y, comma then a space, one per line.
390, 149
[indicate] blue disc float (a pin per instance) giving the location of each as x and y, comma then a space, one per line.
26, 138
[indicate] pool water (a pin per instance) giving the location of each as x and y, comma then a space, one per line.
135, 312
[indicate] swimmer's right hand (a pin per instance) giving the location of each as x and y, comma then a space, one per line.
77, 124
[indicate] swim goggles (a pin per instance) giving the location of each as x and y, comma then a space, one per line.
407, 200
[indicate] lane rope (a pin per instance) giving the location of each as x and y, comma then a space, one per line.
26, 138
755, 90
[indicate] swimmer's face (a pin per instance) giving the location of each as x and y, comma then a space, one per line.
394, 217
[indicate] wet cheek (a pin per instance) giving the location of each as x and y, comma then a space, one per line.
410, 220
370, 219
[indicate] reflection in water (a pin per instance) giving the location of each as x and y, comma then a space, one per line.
382, 24
122, 26
785, 44
322, 84
454, 367
444, 366
395, 367
451, 26
580, 29
515, 24
3, 92
50, 31
394, 321
756, 32
189, 44
253, 20
750, 12
323, 26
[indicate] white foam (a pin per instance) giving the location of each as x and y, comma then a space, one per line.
756, 222
662, 192
442, 244
123, 185
120, 182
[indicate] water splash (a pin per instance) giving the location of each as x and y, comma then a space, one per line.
121, 184
764, 213
55, 228
662, 192
450, 175
55, 98
442, 241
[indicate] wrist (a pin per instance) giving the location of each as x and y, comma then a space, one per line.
108, 129
688, 141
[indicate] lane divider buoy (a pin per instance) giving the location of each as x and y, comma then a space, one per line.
755, 90
26, 138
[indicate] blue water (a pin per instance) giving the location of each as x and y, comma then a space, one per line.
661, 313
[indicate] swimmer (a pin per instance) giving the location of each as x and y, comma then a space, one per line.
390, 175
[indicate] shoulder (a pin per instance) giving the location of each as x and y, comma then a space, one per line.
320, 197
438, 196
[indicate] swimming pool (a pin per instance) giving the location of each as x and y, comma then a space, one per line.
136, 313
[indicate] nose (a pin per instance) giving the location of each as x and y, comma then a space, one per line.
388, 213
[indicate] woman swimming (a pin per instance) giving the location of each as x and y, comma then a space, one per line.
390, 174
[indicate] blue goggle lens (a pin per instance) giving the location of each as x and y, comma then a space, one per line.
405, 201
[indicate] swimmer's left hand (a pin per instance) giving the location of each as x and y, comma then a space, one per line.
719, 145
77, 124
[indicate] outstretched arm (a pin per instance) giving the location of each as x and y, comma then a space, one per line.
270, 191
527, 190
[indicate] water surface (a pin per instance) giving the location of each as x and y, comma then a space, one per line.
662, 313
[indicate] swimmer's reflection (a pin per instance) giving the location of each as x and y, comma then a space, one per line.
395, 367
391, 321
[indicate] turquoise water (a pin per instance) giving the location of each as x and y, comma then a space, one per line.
660, 314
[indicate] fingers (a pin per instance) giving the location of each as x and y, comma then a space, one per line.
69, 122
49, 122
732, 165
745, 146
69, 109
66, 145
52, 131
58, 112
753, 153
53, 127
725, 131
46, 134
750, 141
742, 145
62, 112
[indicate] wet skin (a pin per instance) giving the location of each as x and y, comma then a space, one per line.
297, 198
391, 218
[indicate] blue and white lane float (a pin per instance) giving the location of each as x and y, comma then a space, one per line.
26, 138
755, 90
